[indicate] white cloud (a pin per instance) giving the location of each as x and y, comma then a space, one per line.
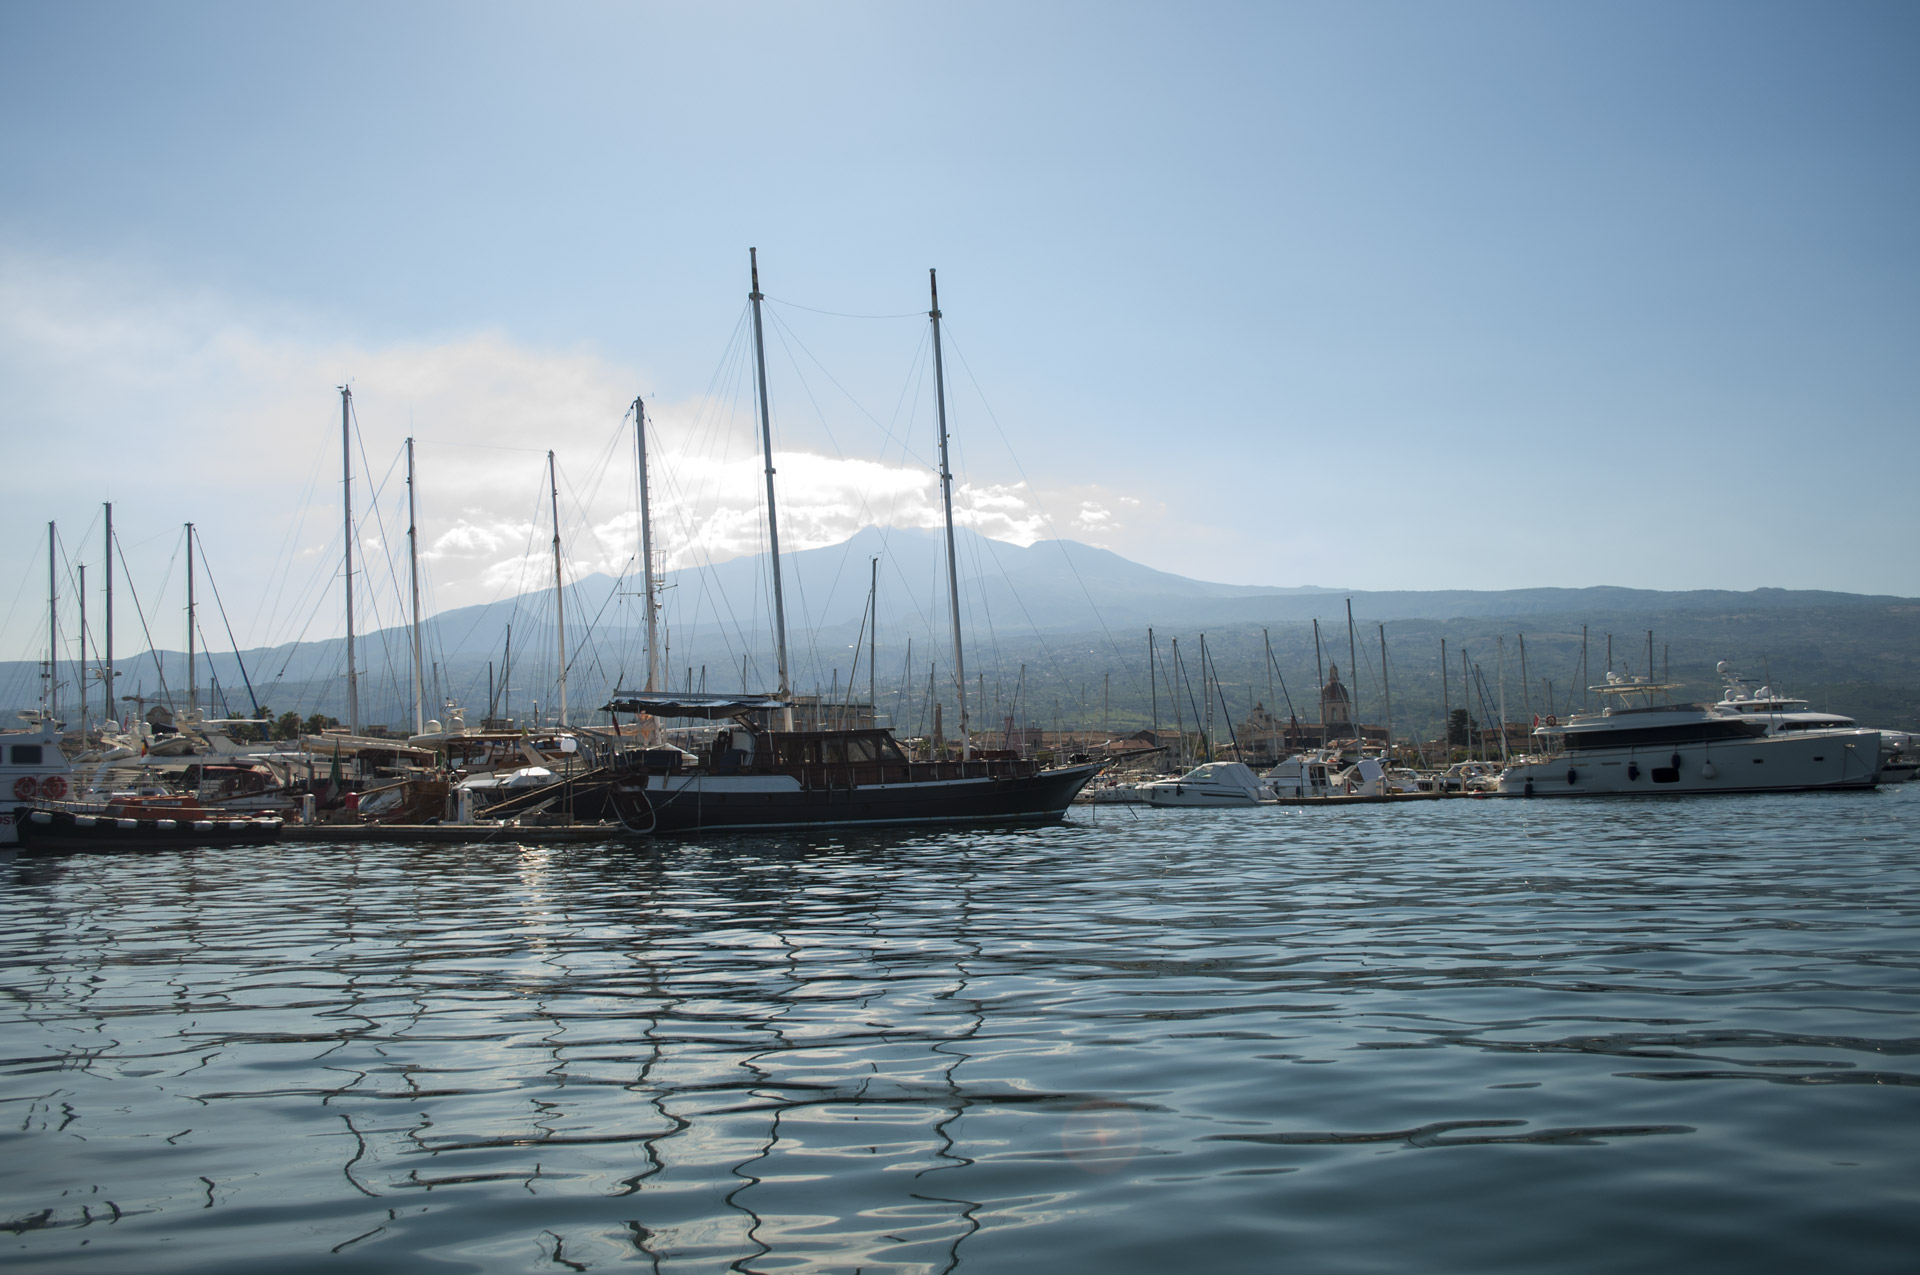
189, 405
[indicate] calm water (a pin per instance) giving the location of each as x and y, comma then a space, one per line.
1472, 1036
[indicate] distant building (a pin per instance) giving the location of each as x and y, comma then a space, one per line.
1336, 705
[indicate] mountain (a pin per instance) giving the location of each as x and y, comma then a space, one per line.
1075, 617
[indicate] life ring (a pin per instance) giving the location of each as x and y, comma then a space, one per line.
26, 788
53, 787
1552, 720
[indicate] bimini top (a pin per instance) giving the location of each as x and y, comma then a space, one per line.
687, 704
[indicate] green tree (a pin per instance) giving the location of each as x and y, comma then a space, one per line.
319, 722
287, 726
1460, 727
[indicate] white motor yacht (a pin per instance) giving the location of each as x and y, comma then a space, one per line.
1786, 715
1217, 783
1669, 748
1301, 776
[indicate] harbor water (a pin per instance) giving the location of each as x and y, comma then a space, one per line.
1455, 1036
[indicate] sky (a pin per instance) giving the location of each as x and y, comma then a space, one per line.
1374, 295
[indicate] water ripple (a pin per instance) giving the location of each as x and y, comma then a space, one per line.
1133, 1043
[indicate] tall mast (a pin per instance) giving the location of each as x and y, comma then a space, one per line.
1153, 686
193, 682
1446, 708
873, 640
1466, 692
1206, 693
1175, 676
1273, 705
113, 708
946, 499
50, 702
559, 589
346, 487
1386, 692
413, 563
646, 548
82, 568
1320, 671
1500, 667
773, 521
1353, 671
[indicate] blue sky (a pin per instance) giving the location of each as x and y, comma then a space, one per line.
1371, 295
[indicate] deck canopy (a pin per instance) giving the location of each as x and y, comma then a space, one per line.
686, 704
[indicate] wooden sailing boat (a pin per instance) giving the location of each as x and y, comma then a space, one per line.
759, 776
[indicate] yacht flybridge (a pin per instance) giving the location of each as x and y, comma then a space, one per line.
1653, 748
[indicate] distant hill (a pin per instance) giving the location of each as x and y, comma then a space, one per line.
1076, 617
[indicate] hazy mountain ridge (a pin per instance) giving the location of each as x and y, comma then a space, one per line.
1076, 615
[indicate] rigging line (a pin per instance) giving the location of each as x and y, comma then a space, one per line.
782, 327
1283, 683
806, 612
229, 626
1040, 509
835, 314
283, 560
491, 447
587, 637
1188, 683
158, 668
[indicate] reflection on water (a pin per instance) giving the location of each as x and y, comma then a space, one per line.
1470, 1035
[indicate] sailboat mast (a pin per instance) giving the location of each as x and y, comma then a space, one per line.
773, 521
1386, 692
50, 701
1273, 705
346, 486
1320, 671
112, 709
946, 499
651, 587
1500, 668
559, 589
82, 568
873, 640
1353, 671
413, 564
1206, 694
1153, 687
1175, 676
193, 679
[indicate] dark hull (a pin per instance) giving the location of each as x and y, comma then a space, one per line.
719, 803
65, 830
